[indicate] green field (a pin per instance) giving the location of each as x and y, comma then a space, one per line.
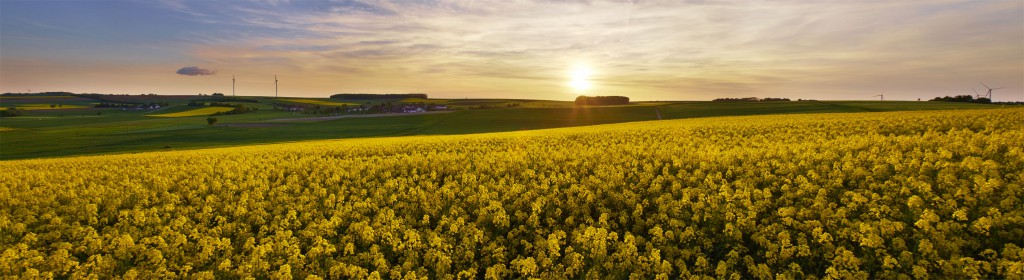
54, 133
195, 112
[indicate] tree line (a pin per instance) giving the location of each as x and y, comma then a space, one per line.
602, 100
962, 98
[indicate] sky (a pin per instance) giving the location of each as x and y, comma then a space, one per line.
524, 49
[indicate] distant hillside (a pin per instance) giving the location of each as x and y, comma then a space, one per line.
50, 93
378, 96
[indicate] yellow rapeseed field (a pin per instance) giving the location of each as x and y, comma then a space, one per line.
196, 112
902, 195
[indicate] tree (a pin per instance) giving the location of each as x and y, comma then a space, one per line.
602, 100
211, 120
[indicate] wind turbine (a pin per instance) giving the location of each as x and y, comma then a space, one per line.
976, 95
881, 96
989, 95
275, 85
232, 85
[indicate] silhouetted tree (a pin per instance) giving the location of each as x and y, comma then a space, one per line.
602, 100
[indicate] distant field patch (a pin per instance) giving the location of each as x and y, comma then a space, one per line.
7, 128
424, 100
18, 100
546, 104
196, 112
318, 102
35, 96
252, 124
490, 102
47, 107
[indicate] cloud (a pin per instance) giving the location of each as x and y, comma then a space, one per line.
195, 71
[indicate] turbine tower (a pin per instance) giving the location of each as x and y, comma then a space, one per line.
881, 96
275, 85
989, 94
232, 85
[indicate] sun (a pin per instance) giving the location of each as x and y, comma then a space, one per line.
580, 80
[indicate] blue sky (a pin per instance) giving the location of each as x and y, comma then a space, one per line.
648, 50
